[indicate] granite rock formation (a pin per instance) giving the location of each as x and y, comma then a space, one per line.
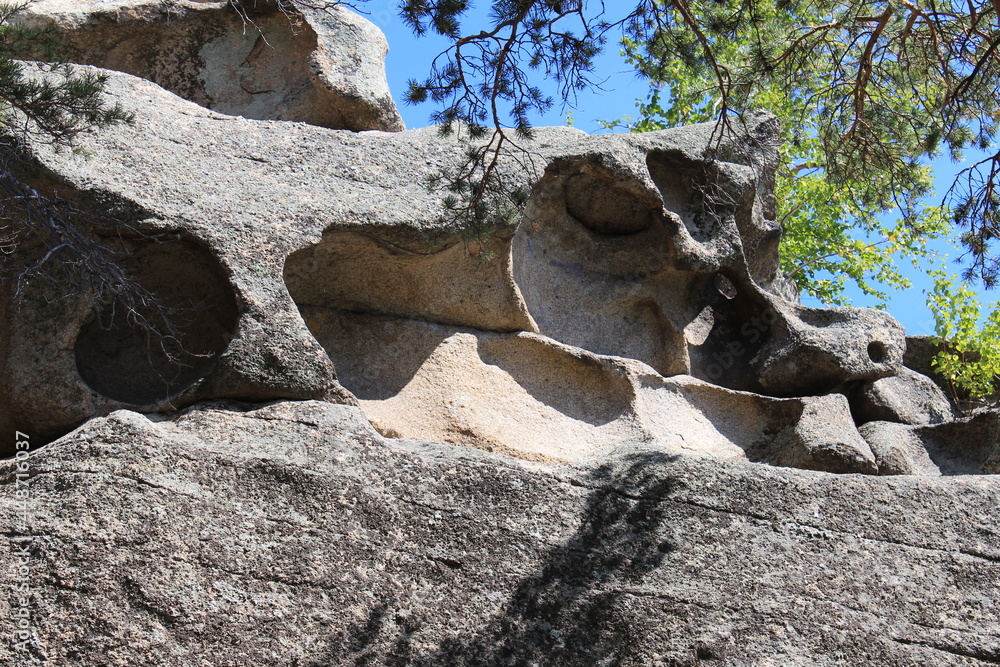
294, 534
302, 247
323, 66
609, 443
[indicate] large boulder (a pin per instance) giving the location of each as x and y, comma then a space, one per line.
293, 534
907, 398
320, 64
966, 446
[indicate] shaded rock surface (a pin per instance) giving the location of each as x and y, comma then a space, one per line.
293, 534
528, 395
907, 398
970, 445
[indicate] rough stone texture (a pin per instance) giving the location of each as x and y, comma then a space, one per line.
320, 66
648, 278
281, 502
908, 398
536, 398
920, 351
293, 534
825, 439
619, 254
967, 446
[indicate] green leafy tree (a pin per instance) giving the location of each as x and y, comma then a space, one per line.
969, 357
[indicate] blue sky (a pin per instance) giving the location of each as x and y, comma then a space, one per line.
410, 58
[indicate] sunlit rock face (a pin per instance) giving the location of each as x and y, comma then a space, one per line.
319, 65
333, 431
636, 302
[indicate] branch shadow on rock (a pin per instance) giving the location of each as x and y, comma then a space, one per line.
575, 609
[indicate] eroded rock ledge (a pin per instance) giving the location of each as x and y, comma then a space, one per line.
623, 308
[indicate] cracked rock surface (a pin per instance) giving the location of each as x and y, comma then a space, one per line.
293, 534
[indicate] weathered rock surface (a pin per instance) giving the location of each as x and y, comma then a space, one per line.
920, 351
907, 398
319, 66
309, 484
293, 534
536, 398
616, 256
967, 446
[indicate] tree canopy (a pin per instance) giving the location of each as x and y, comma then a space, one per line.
867, 91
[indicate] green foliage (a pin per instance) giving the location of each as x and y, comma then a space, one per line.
969, 356
878, 84
57, 102
830, 238
837, 227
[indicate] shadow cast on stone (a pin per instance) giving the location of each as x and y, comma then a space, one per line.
376, 356
576, 385
757, 424
964, 447
572, 611
145, 353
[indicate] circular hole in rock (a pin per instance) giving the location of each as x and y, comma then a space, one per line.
877, 352
152, 351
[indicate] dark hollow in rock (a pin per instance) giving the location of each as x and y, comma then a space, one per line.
606, 207
146, 355
877, 351
741, 324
